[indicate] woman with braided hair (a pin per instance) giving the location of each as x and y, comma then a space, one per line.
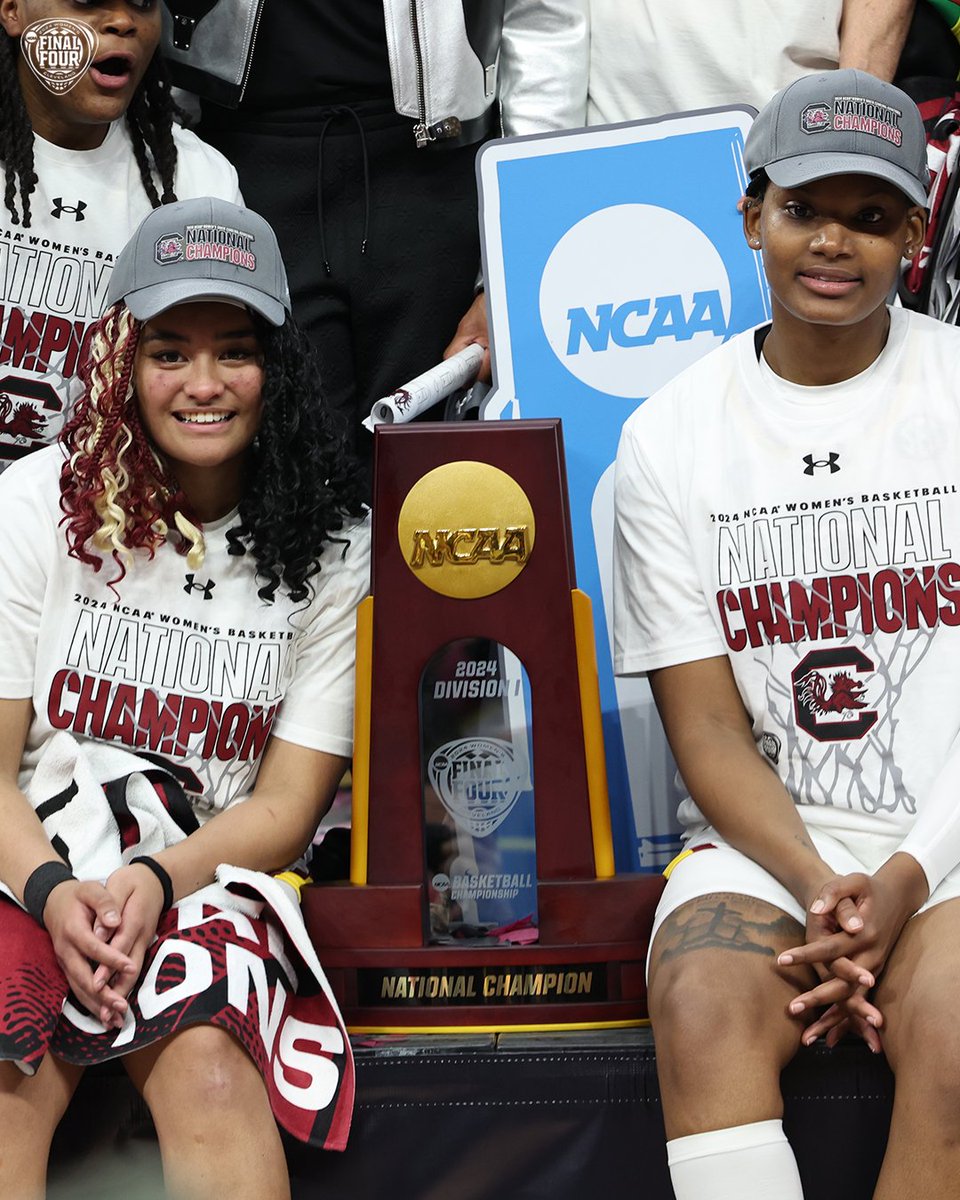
82, 166
178, 586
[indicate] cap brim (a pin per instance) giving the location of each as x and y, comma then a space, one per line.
807, 168
148, 302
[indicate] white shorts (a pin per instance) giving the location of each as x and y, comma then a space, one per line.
723, 869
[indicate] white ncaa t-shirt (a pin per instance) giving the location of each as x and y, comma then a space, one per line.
190, 665
54, 276
813, 536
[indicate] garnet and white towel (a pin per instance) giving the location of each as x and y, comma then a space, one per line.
235, 954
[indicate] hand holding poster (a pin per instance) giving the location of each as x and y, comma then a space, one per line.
453, 374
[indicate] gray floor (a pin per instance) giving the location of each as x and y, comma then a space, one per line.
130, 1171
105, 1148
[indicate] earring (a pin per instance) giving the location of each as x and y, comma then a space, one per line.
755, 241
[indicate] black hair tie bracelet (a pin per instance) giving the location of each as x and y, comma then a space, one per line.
165, 881
39, 885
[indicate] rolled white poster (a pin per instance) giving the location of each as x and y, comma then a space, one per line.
419, 394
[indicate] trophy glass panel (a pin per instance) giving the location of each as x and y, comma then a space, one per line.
477, 779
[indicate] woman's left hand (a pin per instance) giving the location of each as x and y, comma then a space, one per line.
139, 896
884, 903
854, 957
841, 947
837, 1021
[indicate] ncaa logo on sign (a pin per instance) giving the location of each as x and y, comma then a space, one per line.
630, 296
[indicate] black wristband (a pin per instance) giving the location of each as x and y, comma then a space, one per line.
40, 884
165, 881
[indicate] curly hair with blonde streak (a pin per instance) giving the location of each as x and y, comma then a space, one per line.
301, 485
116, 495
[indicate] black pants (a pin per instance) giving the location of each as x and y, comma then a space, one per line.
382, 316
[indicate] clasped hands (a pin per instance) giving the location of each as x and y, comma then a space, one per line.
853, 923
100, 934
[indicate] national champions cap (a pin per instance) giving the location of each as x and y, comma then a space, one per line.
202, 249
843, 122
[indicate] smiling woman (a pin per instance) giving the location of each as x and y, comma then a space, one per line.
830, 249
178, 585
88, 145
199, 379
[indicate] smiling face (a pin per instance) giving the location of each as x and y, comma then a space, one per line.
199, 378
832, 248
128, 32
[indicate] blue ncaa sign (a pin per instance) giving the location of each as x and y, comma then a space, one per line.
614, 257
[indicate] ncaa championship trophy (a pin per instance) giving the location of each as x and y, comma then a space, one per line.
482, 890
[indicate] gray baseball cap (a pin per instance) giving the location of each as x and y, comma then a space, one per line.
202, 249
840, 123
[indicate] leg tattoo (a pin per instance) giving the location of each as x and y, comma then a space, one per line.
719, 922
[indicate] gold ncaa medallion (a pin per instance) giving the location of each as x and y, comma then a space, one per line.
466, 529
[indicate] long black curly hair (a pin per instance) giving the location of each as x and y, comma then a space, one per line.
149, 118
300, 487
301, 482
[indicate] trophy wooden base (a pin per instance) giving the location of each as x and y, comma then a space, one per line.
478, 717
586, 970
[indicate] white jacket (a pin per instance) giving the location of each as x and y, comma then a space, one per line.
450, 60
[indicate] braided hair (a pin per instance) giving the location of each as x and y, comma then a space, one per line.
149, 118
119, 497
757, 187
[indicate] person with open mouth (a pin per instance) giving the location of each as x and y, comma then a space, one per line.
90, 144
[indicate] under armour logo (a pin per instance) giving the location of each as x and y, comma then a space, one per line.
59, 208
206, 588
814, 464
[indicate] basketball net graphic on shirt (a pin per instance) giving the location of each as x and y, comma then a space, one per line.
838, 601
816, 766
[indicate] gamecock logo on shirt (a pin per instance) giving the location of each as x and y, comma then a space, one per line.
828, 694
